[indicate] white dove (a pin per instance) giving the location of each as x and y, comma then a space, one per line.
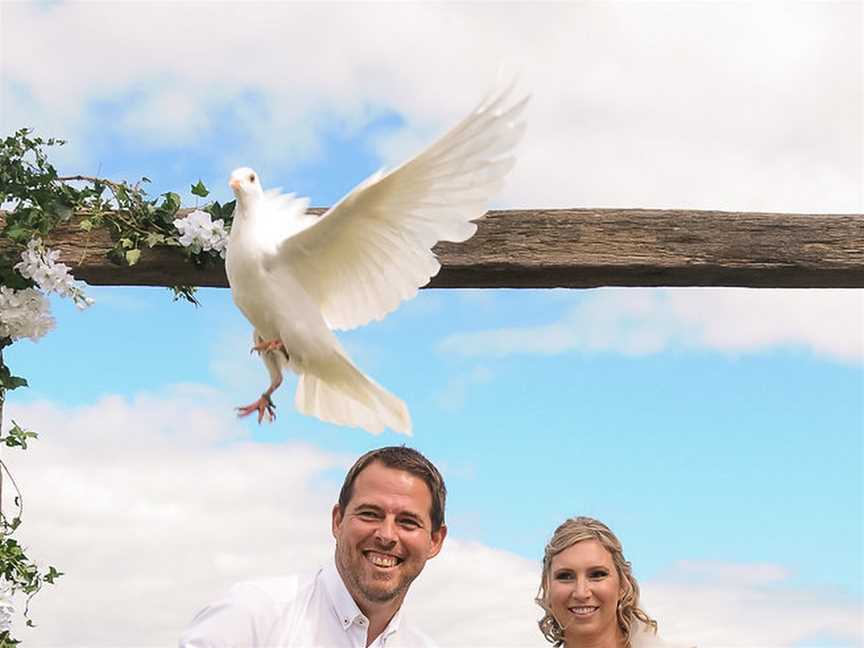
296, 277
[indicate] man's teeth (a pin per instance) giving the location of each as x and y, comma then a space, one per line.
382, 561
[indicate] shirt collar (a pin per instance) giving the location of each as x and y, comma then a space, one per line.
345, 607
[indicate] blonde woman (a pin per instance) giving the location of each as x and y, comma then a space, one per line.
588, 591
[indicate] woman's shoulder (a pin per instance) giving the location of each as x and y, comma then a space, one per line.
645, 637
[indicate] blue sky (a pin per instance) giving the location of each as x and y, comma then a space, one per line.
718, 432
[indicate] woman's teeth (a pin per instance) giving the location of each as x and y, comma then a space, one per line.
583, 610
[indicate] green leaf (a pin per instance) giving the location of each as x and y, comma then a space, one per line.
17, 437
122, 193
14, 382
168, 209
228, 212
18, 233
154, 238
116, 256
10, 278
132, 256
200, 190
171, 202
52, 575
86, 225
126, 243
186, 293
8, 381
214, 209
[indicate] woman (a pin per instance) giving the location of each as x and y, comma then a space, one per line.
588, 591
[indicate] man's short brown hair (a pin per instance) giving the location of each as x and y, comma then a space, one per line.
409, 460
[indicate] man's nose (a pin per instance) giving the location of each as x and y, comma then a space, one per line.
386, 531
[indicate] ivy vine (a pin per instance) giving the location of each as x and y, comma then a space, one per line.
38, 199
35, 200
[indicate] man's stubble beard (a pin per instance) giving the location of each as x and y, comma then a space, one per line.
371, 595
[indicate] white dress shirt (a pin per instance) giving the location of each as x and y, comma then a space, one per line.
294, 612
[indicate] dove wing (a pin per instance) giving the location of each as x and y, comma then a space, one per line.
373, 249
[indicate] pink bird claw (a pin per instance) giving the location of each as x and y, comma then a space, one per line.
267, 345
264, 406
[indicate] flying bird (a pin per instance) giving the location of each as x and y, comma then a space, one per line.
298, 277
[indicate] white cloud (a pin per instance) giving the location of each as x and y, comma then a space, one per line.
167, 117
638, 321
727, 605
152, 506
751, 106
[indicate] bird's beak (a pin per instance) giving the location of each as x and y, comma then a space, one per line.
234, 183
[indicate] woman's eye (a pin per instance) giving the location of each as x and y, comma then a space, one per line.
599, 574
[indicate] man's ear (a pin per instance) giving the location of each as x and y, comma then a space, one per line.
336, 519
437, 541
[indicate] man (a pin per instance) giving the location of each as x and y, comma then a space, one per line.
388, 522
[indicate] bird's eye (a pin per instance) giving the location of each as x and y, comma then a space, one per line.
252, 177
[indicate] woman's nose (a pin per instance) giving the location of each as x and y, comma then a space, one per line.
581, 588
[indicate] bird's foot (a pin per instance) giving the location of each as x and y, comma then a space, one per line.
264, 406
262, 346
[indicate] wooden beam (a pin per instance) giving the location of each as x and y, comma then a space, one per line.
575, 248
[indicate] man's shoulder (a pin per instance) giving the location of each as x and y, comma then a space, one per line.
277, 590
245, 613
411, 636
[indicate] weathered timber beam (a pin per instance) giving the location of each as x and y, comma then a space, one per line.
575, 248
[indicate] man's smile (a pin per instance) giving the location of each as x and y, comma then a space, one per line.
382, 560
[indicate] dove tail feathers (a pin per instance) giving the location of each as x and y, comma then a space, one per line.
338, 392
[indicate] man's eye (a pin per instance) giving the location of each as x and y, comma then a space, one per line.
409, 522
369, 515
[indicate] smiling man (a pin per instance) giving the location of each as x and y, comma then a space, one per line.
388, 522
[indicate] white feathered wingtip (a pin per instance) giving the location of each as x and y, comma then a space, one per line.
504, 85
504, 106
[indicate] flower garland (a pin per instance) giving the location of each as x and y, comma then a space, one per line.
25, 313
36, 200
199, 233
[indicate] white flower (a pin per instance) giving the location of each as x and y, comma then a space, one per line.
24, 313
7, 609
199, 233
40, 264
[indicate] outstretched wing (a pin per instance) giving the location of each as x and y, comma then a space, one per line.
373, 249
280, 216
